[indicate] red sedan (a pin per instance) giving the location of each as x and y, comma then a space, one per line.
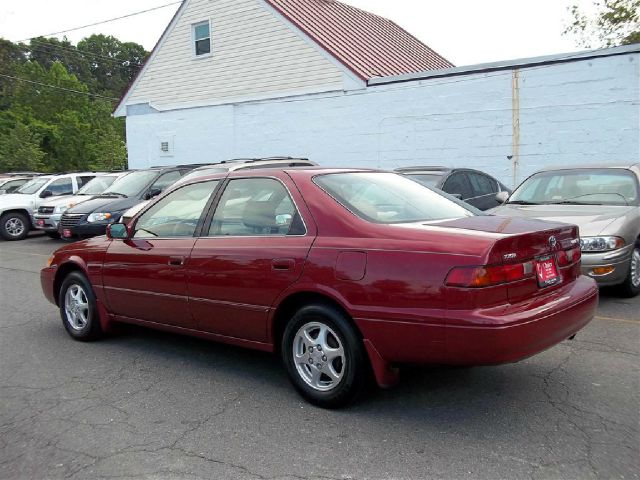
342, 272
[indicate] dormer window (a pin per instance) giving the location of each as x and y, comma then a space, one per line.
202, 38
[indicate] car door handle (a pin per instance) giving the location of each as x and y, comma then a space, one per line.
283, 264
176, 261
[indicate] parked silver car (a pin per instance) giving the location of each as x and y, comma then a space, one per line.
604, 201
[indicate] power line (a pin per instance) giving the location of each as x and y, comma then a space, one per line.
73, 49
70, 90
53, 34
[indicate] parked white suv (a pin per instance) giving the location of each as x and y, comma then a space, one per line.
17, 209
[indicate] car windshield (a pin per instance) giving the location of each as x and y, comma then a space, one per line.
388, 198
606, 186
132, 184
33, 186
97, 185
428, 179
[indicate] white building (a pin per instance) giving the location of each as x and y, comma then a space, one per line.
323, 80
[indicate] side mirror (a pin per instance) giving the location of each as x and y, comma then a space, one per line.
46, 193
502, 197
118, 231
154, 192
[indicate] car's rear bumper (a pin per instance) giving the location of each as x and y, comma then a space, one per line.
496, 335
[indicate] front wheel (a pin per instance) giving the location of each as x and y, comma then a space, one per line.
14, 226
78, 308
631, 286
324, 356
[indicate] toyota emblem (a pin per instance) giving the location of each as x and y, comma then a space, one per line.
553, 242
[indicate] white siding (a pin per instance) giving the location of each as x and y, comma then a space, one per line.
578, 112
254, 54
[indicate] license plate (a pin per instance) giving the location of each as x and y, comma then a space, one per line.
547, 272
40, 222
66, 233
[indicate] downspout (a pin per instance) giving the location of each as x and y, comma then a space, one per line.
515, 113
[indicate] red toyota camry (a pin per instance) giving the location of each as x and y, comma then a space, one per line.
342, 272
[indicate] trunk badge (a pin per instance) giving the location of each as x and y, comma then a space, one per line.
510, 256
553, 242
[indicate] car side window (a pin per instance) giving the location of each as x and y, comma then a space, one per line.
12, 185
166, 180
82, 181
62, 186
256, 207
457, 184
177, 214
481, 184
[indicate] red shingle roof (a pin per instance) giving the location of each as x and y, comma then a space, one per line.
369, 45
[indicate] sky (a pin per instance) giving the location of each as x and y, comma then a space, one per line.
466, 32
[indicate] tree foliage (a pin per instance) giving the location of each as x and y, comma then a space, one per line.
56, 101
614, 22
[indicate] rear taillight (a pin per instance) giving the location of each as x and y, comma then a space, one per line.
569, 257
489, 275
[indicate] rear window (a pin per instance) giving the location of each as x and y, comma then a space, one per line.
388, 198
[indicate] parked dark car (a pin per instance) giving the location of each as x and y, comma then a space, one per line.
472, 186
339, 271
91, 218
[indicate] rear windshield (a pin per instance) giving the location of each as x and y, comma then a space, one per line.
428, 179
588, 186
388, 198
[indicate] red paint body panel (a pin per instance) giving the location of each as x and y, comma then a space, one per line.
390, 279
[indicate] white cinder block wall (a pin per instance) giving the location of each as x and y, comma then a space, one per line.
570, 113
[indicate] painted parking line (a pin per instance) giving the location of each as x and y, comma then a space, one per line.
613, 319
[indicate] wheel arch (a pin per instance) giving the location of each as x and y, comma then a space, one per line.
296, 300
63, 271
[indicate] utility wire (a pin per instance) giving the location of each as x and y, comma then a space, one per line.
70, 90
117, 64
72, 49
53, 34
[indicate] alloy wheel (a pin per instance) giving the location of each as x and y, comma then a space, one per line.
319, 356
76, 307
635, 267
14, 226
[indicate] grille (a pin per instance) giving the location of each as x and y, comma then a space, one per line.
69, 220
45, 210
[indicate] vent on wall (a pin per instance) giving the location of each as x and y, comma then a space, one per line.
164, 147
165, 144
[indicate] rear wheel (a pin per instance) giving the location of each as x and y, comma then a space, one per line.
324, 356
78, 308
14, 226
631, 286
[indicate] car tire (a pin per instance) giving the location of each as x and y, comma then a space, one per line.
14, 226
340, 368
631, 285
53, 235
78, 308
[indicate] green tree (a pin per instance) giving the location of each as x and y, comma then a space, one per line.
615, 22
114, 64
11, 56
20, 149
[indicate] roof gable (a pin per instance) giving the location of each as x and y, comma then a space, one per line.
369, 45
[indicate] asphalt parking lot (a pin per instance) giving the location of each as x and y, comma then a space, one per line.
143, 404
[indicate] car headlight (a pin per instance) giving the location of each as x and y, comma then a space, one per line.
600, 244
61, 208
99, 217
